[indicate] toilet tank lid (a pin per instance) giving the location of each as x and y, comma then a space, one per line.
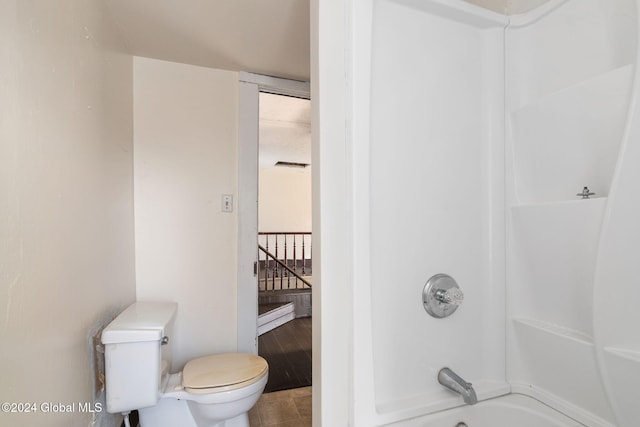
140, 322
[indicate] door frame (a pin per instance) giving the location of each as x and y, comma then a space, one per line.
249, 87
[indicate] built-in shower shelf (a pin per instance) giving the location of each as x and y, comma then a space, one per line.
576, 387
632, 355
557, 330
560, 203
622, 371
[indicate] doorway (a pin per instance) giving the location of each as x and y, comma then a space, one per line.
285, 241
252, 89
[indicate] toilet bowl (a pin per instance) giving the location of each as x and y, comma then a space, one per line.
211, 391
216, 390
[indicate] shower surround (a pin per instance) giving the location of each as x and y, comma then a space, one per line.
471, 135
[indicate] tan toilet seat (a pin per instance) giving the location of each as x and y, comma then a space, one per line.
223, 372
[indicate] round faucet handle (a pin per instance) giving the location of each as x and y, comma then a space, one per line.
453, 296
441, 296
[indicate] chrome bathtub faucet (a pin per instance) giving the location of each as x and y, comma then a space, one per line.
452, 381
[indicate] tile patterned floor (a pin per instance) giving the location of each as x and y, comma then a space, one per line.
286, 408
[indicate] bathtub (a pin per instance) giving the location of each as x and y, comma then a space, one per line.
507, 411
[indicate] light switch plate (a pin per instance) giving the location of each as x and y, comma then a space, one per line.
227, 203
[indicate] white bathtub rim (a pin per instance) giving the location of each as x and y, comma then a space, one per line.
574, 412
425, 405
499, 395
511, 401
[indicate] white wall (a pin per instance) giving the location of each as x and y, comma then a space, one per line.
185, 159
284, 199
66, 200
332, 292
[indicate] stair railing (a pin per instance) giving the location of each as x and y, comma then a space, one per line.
280, 270
292, 247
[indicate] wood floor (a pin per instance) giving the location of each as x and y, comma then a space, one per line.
287, 349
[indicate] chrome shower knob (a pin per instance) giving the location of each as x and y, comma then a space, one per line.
452, 296
441, 296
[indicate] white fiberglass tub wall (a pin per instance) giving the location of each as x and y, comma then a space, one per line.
429, 187
617, 282
569, 76
427, 170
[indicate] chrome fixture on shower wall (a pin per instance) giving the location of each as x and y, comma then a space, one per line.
586, 193
441, 296
454, 382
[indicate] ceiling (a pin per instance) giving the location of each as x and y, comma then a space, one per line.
269, 37
285, 130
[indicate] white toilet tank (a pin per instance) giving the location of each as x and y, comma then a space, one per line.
138, 355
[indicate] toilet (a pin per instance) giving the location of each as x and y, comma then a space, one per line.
211, 391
